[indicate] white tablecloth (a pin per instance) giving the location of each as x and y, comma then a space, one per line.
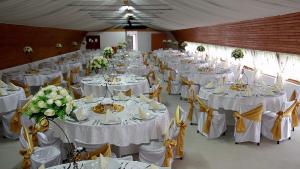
96, 85
10, 102
95, 164
42, 77
130, 131
233, 100
66, 67
204, 78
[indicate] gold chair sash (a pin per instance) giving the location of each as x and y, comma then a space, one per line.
169, 82
156, 93
186, 82
127, 92
180, 138
191, 101
26, 153
104, 150
253, 115
22, 85
75, 71
151, 76
295, 119
276, 129
169, 144
55, 81
15, 122
205, 109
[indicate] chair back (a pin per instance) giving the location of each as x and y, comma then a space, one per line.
76, 93
22, 85
56, 81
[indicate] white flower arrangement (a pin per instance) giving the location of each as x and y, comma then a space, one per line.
74, 43
50, 102
169, 41
27, 49
108, 52
98, 62
59, 45
183, 44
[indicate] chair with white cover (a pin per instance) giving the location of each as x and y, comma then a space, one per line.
158, 152
194, 110
173, 82
156, 92
12, 120
295, 119
211, 123
248, 123
94, 150
278, 125
180, 119
186, 85
34, 157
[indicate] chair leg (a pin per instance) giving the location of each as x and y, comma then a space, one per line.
236, 143
224, 134
277, 142
257, 144
289, 138
293, 129
198, 131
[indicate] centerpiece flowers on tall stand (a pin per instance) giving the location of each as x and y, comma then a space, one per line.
241, 80
98, 63
108, 52
49, 103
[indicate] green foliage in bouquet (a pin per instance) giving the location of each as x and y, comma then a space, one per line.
237, 54
98, 62
201, 48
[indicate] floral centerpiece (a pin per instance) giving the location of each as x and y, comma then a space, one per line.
59, 45
108, 52
200, 48
169, 41
237, 54
183, 45
27, 50
122, 45
98, 62
50, 102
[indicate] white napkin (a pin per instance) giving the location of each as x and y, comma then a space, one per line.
279, 82
2, 84
220, 90
154, 105
42, 166
3, 92
12, 87
81, 114
110, 117
210, 85
143, 98
143, 114
103, 162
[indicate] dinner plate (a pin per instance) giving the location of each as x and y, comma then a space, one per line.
160, 108
93, 100
137, 116
111, 122
116, 98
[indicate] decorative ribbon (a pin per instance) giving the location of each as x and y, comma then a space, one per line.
205, 109
191, 107
295, 119
75, 71
151, 76
156, 93
22, 85
15, 122
26, 162
180, 138
169, 144
55, 81
169, 83
104, 150
253, 115
276, 129
186, 82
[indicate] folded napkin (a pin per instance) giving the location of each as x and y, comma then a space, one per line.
110, 117
3, 92
12, 87
144, 98
143, 114
210, 85
42, 166
220, 90
81, 114
103, 162
108, 163
154, 105
2, 84
248, 92
279, 82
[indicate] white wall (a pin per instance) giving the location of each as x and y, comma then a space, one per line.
144, 41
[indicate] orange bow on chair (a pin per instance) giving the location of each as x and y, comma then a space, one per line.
156, 93
105, 150
15, 123
180, 138
169, 82
169, 144
191, 101
276, 129
205, 109
55, 81
75, 71
253, 115
295, 120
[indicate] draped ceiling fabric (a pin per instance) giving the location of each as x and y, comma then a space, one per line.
94, 15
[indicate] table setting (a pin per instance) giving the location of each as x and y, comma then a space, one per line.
118, 121
103, 85
38, 77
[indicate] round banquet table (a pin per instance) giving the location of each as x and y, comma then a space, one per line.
96, 85
128, 131
203, 78
9, 102
231, 100
66, 67
39, 79
95, 164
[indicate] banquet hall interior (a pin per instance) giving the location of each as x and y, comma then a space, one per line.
160, 84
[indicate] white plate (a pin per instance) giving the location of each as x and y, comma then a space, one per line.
116, 98
151, 116
111, 122
161, 108
93, 100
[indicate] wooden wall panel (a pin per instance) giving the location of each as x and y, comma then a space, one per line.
13, 38
156, 40
278, 33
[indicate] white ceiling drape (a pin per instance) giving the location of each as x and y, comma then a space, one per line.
175, 14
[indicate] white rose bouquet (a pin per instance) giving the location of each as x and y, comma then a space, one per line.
50, 102
27, 49
108, 52
98, 62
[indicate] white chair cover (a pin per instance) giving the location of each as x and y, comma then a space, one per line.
175, 83
185, 91
268, 120
253, 128
218, 124
49, 155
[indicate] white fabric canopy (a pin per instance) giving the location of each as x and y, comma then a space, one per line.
174, 14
